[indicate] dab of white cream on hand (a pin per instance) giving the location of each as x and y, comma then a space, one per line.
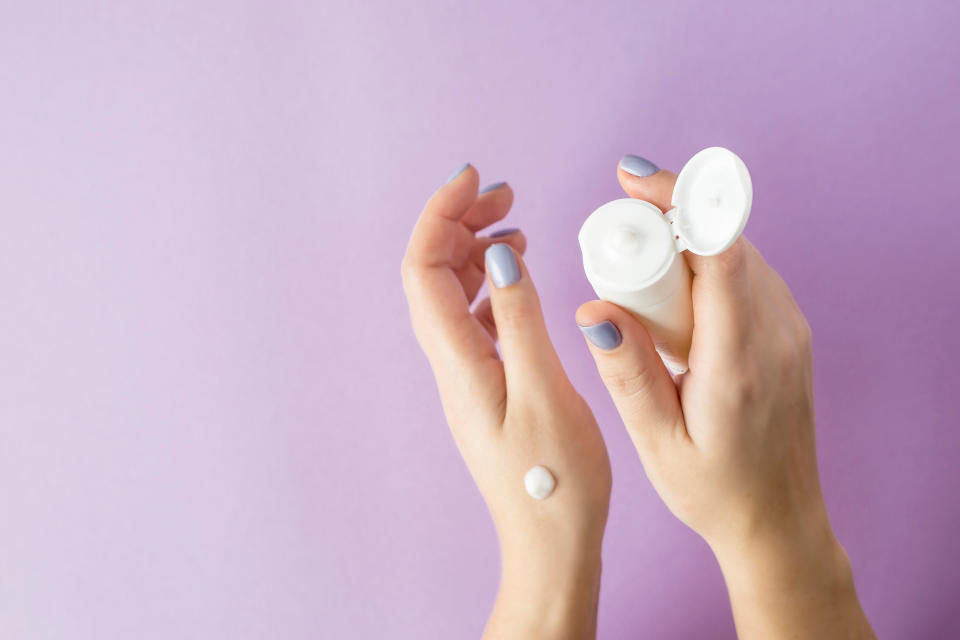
539, 482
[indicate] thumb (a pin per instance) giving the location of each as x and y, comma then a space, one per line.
634, 374
529, 358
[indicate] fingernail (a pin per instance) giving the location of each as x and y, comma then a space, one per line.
491, 187
502, 265
637, 166
457, 172
503, 232
604, 335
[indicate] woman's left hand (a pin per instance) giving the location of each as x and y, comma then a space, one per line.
510, 415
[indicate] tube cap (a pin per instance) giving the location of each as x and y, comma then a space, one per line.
711, 202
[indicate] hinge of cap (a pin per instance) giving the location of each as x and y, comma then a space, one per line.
672, 219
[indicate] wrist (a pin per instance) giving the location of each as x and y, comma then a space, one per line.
786, 564
792, 586
547, 596
790, 550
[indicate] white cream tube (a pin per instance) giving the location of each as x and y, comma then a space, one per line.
632, 251
630, 259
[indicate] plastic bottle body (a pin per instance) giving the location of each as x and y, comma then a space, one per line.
665, 308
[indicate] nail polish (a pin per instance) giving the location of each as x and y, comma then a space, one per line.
456, 173
637, 166
504, 232
491, 187
502, 265
604, 335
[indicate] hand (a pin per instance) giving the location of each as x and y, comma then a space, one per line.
731, 451
508, 416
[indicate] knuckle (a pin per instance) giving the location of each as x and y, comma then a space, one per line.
515, 314
413, 277
746, 385
806, 335
748, 391
788, 354
733, 261
406, 270
627, 383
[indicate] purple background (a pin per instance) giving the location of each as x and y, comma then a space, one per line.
214, 420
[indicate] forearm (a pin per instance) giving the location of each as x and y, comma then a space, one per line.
782, 588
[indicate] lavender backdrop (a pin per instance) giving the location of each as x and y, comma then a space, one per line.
214, 421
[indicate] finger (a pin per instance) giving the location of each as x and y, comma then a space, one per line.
439, 309
492, 204
723, 314
634, 374
528, 355
472, 272
768, 285
438, 230
484, 315
721, 288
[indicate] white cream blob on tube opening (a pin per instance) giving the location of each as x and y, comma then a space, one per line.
631, 249
539, 482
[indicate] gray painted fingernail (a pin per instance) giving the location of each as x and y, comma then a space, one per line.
502, 265
457, 172
637, 166
503, 232
491, 187
604, 335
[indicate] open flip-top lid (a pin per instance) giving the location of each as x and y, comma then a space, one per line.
711, 202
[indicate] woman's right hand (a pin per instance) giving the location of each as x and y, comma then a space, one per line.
731, 450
